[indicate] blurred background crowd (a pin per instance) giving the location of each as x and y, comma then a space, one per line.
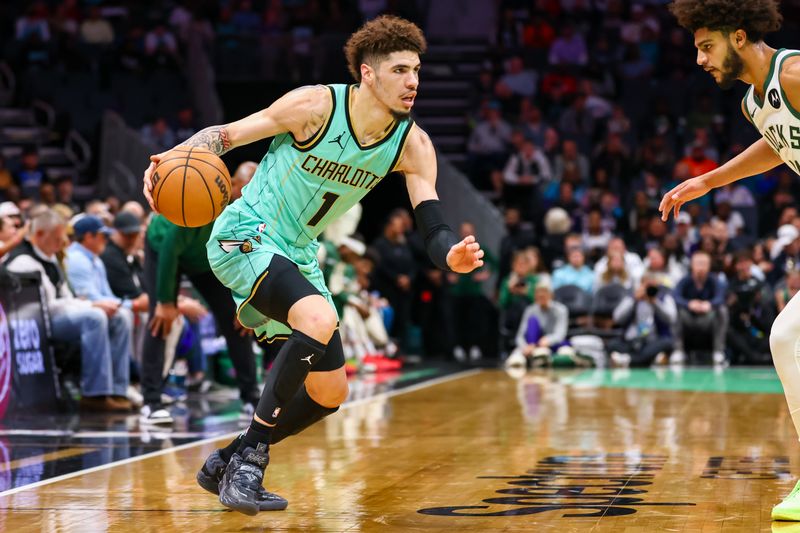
570, 118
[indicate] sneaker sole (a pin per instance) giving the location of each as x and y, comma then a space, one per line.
242, 507
788, 516
279, 505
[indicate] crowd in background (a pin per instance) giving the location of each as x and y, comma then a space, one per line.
584, 115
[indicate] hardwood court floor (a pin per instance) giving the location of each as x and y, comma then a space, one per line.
484, 452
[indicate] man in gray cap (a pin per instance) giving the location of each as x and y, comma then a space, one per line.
122, 267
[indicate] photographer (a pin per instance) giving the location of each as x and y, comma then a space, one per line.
647, 318
701, 309
751, 315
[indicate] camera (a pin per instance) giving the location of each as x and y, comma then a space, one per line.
651, 291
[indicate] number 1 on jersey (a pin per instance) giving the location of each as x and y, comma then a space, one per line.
328, 199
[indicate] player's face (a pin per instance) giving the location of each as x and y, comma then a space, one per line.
718, 57
395, 82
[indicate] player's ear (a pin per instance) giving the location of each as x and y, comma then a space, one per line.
739, 38
367, 74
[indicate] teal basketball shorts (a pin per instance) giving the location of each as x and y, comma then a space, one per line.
240, 250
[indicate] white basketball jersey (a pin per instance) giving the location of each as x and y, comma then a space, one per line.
776, 119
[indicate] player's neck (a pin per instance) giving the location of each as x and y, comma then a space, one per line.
757, 61
369, 117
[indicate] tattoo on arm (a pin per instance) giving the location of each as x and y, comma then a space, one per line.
213, 138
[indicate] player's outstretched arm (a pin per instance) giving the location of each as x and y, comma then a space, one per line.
757, 158
300, 112
418, 163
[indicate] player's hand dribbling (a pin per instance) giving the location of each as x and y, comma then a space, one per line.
148, 179
465, 256
685, 192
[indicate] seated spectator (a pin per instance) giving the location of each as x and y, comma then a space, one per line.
569, 48
614, 273
697, 161
751, 314
161, 47
524, 176
733, 220
95, 29
633, 263
87, 276
534, 127
362, 328
159, 134
105, 349
10, 235
647, 319
615, 157
516, 83
686, 232
123, 268
667, 272
701, 307
575, 272
571, 159
31, 176
33, 26
577, 123
595, 236
64, 193
542, 330
488, 145
786, 293
186, 126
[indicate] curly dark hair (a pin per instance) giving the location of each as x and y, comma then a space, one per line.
380, 37
755, 17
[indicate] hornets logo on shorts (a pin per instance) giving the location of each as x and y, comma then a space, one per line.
229, 245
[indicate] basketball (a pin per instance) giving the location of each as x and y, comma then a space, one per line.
191, 186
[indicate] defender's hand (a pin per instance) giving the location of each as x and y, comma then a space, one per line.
162, 320
465, 256
685, 192
148, 179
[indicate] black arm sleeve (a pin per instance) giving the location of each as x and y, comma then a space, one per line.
438, 236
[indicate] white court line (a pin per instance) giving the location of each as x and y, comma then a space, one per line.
103, 434
360, 401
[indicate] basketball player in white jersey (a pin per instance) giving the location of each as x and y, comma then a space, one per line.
729, 37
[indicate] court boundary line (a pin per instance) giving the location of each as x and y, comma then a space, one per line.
181, 447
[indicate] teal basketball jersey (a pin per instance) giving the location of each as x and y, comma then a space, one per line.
298, 189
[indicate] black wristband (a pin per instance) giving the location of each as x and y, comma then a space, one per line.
438, 236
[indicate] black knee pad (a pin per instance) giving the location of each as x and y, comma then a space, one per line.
280, 289
289, 371
334, 355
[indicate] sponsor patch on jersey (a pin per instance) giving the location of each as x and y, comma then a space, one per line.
774, 98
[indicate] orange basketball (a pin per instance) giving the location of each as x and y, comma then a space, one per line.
191, 186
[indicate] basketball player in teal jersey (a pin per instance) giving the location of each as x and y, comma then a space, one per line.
332, 145
729, 36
